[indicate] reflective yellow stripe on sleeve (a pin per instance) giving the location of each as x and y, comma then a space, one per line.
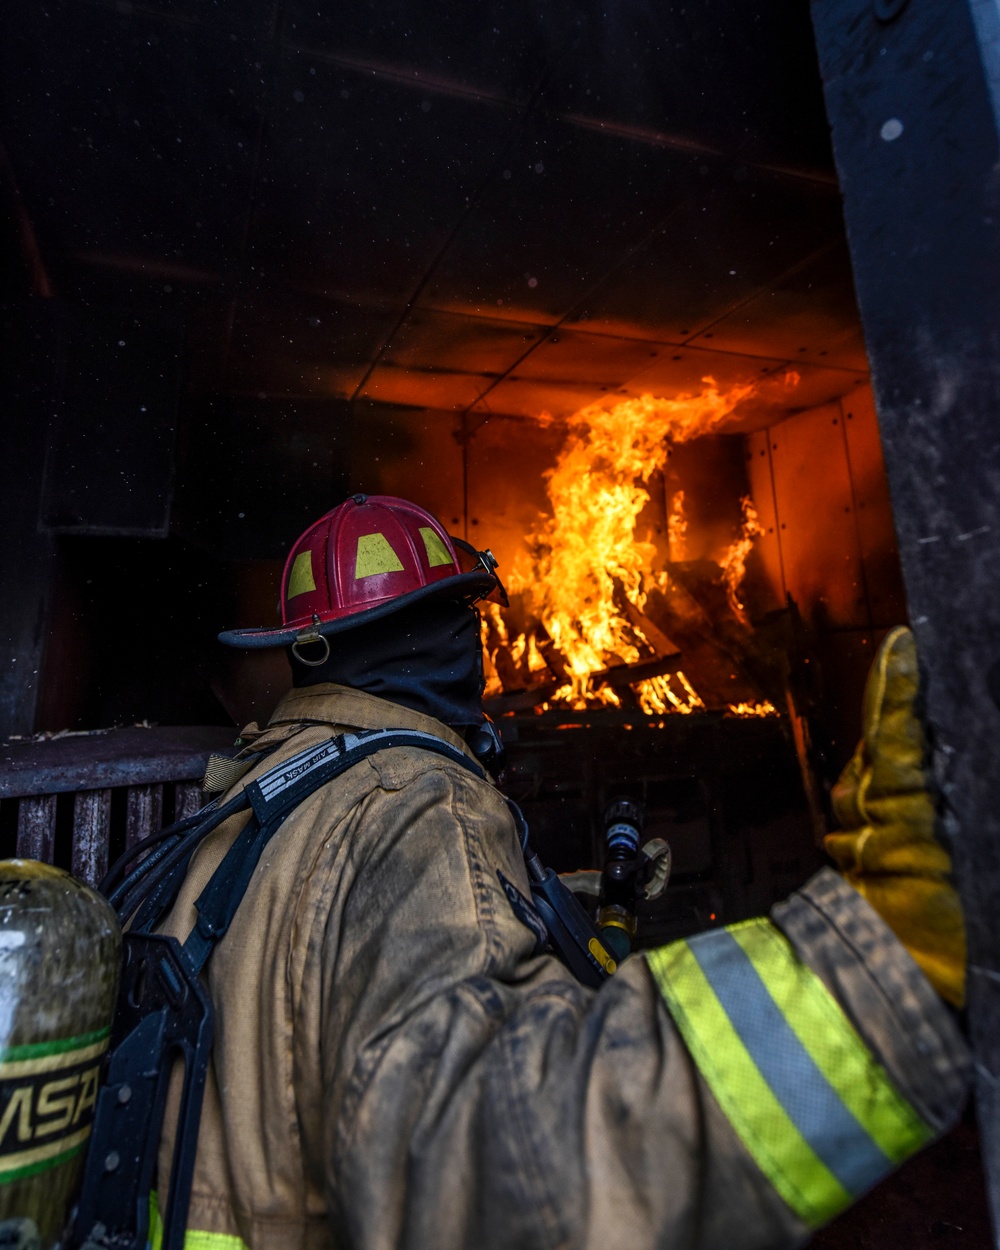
194, 1238
816, 1110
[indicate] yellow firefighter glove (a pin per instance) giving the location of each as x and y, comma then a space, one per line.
888, 850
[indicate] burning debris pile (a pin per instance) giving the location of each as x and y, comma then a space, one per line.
603, 616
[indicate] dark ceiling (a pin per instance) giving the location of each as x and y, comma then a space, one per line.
504, 207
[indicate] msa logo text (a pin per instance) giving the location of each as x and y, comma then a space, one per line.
38, 1107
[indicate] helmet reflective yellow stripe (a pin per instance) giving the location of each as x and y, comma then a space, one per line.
813, 1106
194, 1238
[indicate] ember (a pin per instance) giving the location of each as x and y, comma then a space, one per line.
753, 709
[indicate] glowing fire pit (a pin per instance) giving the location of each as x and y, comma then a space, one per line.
609, 615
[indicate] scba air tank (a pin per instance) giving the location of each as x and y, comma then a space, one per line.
60, 951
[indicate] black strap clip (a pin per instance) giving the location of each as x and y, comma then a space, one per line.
163, 1016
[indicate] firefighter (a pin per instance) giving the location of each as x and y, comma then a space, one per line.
398, 1064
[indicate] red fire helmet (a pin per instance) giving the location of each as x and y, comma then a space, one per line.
369, 557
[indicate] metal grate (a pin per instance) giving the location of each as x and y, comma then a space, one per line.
79, 800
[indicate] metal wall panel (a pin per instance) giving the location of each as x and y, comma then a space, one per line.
819, 538
507, 496
823, 492
413, 453
767, 548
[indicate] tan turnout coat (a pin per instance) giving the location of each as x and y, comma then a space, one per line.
393, 1067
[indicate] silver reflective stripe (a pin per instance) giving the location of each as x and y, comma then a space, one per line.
816, 1110
280, 778
277, 780
800, 1085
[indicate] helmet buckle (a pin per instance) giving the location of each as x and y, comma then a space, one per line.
305, 639
489, 562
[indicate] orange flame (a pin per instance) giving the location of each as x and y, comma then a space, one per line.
734, 565
586, 553
677, 527
490, 615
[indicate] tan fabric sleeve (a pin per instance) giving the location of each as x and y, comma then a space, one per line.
476, 1096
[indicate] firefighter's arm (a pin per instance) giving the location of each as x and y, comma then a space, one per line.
728, 1092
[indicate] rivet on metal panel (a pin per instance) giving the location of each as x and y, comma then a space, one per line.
888, 10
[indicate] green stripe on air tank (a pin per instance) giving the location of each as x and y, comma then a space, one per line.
35, 1050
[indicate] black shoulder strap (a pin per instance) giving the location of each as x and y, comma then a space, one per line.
572, 934
142, 896
279, 791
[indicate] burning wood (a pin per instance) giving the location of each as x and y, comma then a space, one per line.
623, 675
519, 700
588, 584
646, 634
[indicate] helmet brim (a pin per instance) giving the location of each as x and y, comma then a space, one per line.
463, 586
